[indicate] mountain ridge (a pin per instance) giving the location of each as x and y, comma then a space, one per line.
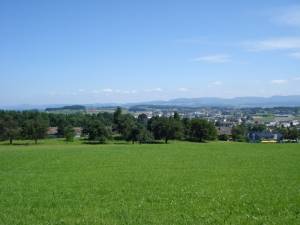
248, 101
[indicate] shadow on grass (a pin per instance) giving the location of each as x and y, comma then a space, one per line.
94, 143
121, 143
17, 144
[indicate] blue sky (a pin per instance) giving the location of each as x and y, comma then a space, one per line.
64, 51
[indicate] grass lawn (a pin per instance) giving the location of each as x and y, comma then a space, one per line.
178, 183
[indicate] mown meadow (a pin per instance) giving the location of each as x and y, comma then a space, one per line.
177, 183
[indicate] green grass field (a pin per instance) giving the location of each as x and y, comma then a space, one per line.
179, 183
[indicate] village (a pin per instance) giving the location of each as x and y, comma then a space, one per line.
270, 120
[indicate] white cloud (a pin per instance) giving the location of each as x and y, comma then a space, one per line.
154, 90
128, 92
285, 43
217, 83
182, 89
295, 55
296, 78
158, 89
279, 81
288, 15
216, 58
53, 93
107, 90
95, 91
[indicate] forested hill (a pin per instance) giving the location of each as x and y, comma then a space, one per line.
71, 107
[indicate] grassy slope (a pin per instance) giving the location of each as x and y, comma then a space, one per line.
178, 183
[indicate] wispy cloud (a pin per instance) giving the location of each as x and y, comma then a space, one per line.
287, 16
107, 90
95, 91
215, 83
113, 91
126, 92
279, 81
182, 89
215, 58
295, 55
154, 90
81, 90
285, 43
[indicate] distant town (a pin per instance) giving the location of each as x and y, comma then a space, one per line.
225, 118
222, 116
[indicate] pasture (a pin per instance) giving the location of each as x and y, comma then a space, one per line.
56, 183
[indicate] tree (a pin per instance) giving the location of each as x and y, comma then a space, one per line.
9, 129
293, 133
145, 136
97, 131
69, 133
258, 128
117, 116
126, 124
223, 137
202, 130
174, 129
62, 124
176, 116
239, 132
166, 128
218, 123
133, 134
36, 127
142, 119
186, 127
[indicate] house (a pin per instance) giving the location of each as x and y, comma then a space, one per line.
224, 130
52, 132
265, 137
78, 132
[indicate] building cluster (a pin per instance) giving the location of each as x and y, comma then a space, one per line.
227, 118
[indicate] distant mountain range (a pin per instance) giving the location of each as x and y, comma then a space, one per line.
274, 101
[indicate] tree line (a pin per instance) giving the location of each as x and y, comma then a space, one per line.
240, 132
102, 127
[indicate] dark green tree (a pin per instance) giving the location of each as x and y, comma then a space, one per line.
202, 130
176, 116
9, 128
145, 136
223, 137
143, 119
133, 134
166, 128
257, 128
293, 133
239, 132
186, 123
126, 124
62, 124
97, 131
36, 127
117, 118
69, 133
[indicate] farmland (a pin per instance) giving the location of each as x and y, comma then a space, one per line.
178, 183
